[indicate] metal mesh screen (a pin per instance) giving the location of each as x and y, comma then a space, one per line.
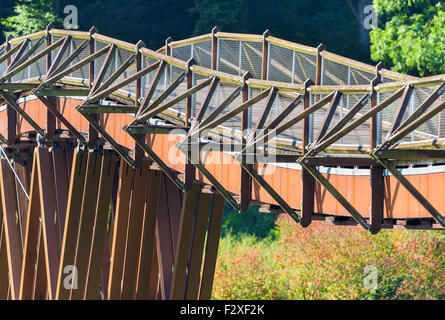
82, 73
280, 64
251, 58
335, 73
202, 53
229, 56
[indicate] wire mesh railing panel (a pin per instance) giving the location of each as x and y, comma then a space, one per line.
251, 58
146, 80
362, 134
294, 133
202, 53
431, 128
358, 77
280, 64
121, 57
24, 74
183, 53
81, 73
335, 73
305, 67
229, 59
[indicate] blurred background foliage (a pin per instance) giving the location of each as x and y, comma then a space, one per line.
334, 23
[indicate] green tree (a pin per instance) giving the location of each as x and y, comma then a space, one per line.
30, 16
410, 37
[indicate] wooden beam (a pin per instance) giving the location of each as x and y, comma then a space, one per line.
48, 213
211, 249
11, 232
120, 226
32, 238
197, 246
86, 222
134, 233
74, 207
191, 200
148, 242
100, 225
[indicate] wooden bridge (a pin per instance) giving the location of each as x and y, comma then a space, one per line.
117, 160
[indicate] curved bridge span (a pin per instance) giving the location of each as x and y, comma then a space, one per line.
117, 160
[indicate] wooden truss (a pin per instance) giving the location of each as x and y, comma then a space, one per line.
135, 227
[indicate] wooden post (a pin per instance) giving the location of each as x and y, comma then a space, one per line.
138, 151
318, 66
307, 205
190, 170
214, 62
92, 133
50, 117
376, 172
265, 57
246, 180
10, 113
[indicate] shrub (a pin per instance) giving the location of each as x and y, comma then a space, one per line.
325, 262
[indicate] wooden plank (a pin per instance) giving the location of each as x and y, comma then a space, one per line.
182, 251
308, 190
377, 198
12, 235
4, 281
48, 214
61, 183
197, 246
105, 268
174, 202
165, 245
126, 174
40, 282
86, 224
211, 250
148, 242
100, 225
21, 169
74, 207
246, 181
31, 239
154, 281
134, 233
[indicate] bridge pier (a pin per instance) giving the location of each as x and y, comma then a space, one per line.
149, 240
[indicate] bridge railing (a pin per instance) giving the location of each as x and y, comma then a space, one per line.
269, 60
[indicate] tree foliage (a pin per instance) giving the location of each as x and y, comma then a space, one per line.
410, 36
307, 22
30, 16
